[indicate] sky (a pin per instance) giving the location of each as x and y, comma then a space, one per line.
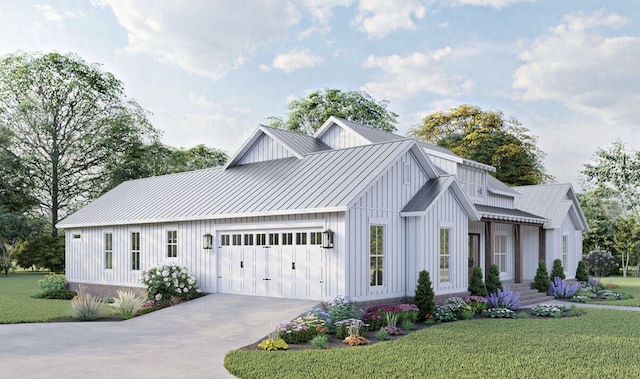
209, 72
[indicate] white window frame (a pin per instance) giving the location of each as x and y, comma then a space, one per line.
565, 252
444, 253
500, 257
379, 256
108, 250
172, 243
135, 252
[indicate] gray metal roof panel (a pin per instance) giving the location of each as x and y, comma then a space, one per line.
509, 214
498, 187
552, 201
303, 144
322, 180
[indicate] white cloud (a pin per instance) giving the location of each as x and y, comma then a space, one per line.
206, 38
378, 18
294, 60
491, 3
52, 15
322, 11
585, 70
414, 73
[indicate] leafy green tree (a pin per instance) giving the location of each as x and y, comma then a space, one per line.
15, 230
424, 296
16, 193
152, 159
64, 115
307, 114
626, 241
487, 137
476, 284
557, 270
602, 213
44, 252
493, 282
541, 281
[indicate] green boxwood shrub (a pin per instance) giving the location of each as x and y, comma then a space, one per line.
581, 272
493, 279
424, 296
557, 270
476, 284
541, 281
62, 294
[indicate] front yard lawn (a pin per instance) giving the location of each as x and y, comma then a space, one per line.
602, 343
17, 305
630, 285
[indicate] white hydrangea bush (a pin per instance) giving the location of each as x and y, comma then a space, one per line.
169, 282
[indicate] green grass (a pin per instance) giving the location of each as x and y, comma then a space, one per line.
630, 285
17, 306
602, 343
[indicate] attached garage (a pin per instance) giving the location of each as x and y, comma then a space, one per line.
274, 263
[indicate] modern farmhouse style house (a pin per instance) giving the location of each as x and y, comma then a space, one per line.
349, 211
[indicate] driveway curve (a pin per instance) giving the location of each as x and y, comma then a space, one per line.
188, 340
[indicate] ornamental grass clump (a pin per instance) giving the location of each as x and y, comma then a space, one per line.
169, 283
349, 327
356, 329
86, 307
127, 304
504, 299
560, 289
391, 319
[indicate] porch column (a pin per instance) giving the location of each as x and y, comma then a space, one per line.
542, 246
518, 254
489, 232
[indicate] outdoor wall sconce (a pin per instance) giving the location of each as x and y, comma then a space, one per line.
207, 241
327, 239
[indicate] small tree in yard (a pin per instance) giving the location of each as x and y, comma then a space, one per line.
493, 279
541, 281
476, 285
600, 263
557, 270
581, 272
424, 296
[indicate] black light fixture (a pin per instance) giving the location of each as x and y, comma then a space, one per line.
327, 239
207, 241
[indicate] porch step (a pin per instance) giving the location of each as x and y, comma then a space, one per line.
528, 294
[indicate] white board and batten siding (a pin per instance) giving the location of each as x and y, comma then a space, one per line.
265, 149
447, 165
574, 246
87, 256
500, 201
339, 138
381, 205
423, 245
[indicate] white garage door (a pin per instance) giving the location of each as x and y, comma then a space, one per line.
282, 263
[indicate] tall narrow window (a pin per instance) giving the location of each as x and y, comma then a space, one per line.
248, 239
172, 244
274, 239
565, 251
225, 240
135, 251
376, 254
261, 239
445, 255
108, 251
236, 239
500, 253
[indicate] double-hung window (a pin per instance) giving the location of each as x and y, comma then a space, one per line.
135, 251
172, 244
376, 254
108, 251
445, 255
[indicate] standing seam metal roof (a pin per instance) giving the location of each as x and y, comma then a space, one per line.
326, 180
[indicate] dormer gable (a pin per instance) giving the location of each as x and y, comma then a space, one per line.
339, 133
267, 143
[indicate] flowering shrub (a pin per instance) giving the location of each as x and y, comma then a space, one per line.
504, 299
499, 313
340, 308
549, 310
600, 262
375, 316
581, 299
477, 303
300, 330
53, 282
443, 313
350, 327
168, 282
560, 289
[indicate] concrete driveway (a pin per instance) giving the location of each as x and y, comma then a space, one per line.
188, 340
